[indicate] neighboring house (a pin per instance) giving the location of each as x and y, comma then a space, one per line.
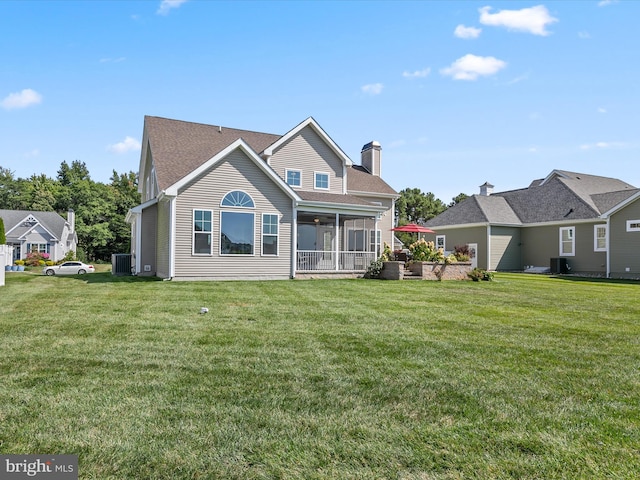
586, 223
45, 232
222, 203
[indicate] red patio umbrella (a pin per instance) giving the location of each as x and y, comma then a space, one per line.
412, 228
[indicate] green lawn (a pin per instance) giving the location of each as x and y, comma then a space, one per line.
524, 377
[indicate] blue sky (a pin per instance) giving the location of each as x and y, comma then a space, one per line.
457, 92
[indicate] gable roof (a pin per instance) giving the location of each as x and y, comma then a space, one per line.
561, 196
179, 148
309, 122
14, 222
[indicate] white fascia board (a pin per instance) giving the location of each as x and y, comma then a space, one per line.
373, 194
137, 210
551, 175
620, 206
312, 123
172, 191
563, 222
143, 157
340, 207
38, 224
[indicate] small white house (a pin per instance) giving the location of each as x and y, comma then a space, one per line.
44, 232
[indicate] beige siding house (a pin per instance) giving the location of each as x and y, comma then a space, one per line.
226, 204
567, 222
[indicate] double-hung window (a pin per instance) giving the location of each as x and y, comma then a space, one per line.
321, 181
599, 238
567, 242
269, 234
202, 228
237, 226
294, 178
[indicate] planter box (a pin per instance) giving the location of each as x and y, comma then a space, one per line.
441, 271
392, 271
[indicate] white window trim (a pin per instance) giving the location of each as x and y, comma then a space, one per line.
631, 228
193, 233
444, 241
315, 180
237, 206
277, 235
286, 177
573, 242
595, 238
245, 212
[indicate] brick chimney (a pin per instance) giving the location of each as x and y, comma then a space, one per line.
371, 157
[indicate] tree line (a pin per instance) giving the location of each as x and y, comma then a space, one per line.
100, 209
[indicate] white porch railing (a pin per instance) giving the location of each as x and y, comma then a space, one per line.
312, 260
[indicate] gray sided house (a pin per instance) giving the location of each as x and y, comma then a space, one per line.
44, 232
223, 204
567, 221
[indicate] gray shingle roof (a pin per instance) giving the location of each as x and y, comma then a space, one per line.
178, 148
52, 221
561, 196
360, 180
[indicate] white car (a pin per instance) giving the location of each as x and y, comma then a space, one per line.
69, 268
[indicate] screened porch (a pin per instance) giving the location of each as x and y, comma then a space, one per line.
335, 242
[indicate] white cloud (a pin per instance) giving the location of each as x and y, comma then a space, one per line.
467, 32
584, 35
602, 110
601, 145
531, 20
604, 3
417, 74
33, 153
470, 67
129, 144
23, 99
372, 88
167, 5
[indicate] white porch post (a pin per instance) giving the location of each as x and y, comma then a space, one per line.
337, 262
294, 242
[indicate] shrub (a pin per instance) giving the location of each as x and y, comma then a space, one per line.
423, 251
19, 262
374, 269
478, 274
34, 258
387, 254
462, 253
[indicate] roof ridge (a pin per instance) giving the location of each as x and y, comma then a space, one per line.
210, 125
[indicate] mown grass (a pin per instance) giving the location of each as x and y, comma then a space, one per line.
523, 377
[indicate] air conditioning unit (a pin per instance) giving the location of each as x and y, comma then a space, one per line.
121, 264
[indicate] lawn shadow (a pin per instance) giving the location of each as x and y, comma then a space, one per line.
576, 278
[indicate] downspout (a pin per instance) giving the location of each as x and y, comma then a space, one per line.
172, 235
294, 240
488, 247
337, 262
608, 253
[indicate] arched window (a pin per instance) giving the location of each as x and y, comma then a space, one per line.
237, 229
237, 198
